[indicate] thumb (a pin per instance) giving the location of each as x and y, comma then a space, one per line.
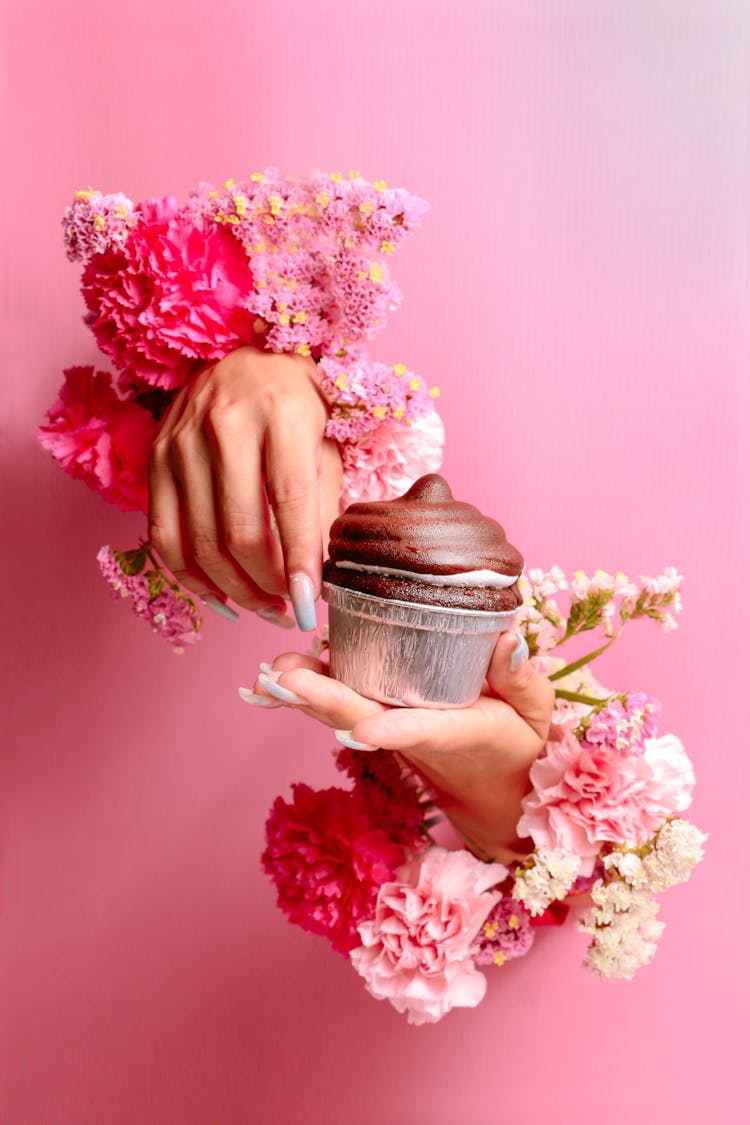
512, 677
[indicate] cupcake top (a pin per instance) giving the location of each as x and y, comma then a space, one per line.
425, 535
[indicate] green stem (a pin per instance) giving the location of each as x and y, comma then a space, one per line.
558, 675
578, 697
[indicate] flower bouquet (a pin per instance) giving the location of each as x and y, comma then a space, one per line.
603, 820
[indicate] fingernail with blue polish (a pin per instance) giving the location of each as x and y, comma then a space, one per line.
268, 683
248, 696
276, 617
345, 738
264, 666
302, 594
519, 655
220, 607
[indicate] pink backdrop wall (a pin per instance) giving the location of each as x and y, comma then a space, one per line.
580, 292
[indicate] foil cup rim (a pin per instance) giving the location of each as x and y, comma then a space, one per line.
485, 613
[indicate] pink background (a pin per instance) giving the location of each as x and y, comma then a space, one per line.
580, 292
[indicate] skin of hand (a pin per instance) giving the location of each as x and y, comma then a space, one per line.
475, 759
245, 429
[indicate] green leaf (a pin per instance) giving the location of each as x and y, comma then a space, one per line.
580, 663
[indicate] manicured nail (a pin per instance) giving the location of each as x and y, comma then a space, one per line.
520, 654
254, 700
220, 607
276, 617
302, 594
264, 666
267, 681
345, 738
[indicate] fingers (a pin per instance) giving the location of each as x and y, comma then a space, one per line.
302, 681
292, 472
192, 468
513, 678
241, 500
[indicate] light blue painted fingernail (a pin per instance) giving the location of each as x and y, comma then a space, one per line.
345, 738
264, 666
302, 595
267, 681
520, 654
220, 607
248, 696
276, 617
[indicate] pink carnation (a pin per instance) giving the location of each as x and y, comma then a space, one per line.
587, 795
327, 862
417, 950
98, 437
385, 462
169, 296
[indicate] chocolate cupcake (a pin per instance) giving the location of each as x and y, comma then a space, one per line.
425, 548
419, 589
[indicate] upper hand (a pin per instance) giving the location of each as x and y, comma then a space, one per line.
243, 439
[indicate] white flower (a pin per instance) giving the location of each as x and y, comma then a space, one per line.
548, 879
624, 928
628, 865
678, 849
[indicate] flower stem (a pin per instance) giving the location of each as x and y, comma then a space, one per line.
578, 697
576, 664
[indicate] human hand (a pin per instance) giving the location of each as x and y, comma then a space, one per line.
476, 759
245, 431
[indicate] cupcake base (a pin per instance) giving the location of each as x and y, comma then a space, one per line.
410, 655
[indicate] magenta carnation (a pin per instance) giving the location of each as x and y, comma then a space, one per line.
327, 862
100, 438
585, 796
171, 295
390, 794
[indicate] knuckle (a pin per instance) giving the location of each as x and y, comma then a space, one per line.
290, 492
243, 537
225, 417
205, 549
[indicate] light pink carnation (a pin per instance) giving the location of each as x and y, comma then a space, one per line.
386, 462
96, 436
416, 953
172, 294
585, 796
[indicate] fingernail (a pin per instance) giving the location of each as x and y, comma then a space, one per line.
264, 666
276, 617
220, 607
345, 738
267, 681
250, 697
302, 594
520, 654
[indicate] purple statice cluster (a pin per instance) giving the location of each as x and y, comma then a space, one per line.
155, 598
506, 933
623, 724
95, 222
319, 249
364, 394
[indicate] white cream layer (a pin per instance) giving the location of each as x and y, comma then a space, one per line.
464, 578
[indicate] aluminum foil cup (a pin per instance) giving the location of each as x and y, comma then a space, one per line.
410, 655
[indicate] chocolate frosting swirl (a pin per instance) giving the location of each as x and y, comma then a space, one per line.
426, 531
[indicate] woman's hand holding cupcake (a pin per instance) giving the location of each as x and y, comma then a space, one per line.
475, 759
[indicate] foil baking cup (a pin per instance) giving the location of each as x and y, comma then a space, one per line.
410, 655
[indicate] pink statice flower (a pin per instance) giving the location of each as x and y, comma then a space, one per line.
96, 222
387, 460
391, 794
417, 950
171, 295
154, 597
585, 796
327, 862
506, 933
364, 394
97, 437
623, 725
